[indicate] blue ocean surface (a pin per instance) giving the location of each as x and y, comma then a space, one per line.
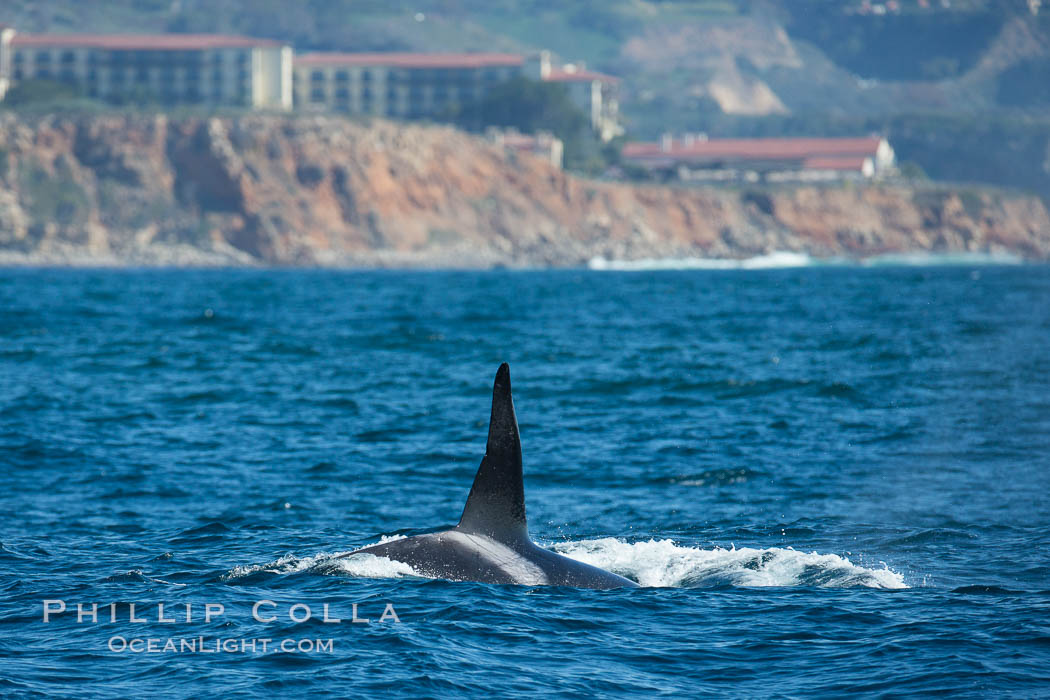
828, 482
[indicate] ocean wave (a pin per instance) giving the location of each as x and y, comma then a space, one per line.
663, 563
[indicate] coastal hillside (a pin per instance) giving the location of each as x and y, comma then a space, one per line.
699, 57
122, 188
959, 88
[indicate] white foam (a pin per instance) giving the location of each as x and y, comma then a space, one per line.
665, 564
655, 563
357, 565
370, 566
776, 259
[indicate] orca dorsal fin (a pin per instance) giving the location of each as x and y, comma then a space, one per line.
496, 504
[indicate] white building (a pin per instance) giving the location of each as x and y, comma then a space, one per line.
207, 69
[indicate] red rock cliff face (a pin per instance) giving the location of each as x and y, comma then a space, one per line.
120, 189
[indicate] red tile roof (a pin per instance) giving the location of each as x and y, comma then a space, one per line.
163, 42
564, 76
755, 149
411, 60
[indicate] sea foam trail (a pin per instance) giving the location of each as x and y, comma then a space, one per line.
662, 563
654, 564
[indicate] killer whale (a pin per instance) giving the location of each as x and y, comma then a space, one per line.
491, 543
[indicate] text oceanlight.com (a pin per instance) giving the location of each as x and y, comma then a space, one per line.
261, 611
202, 645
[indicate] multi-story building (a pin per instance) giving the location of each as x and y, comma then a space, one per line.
206, 69
402, 85
415, 86
211, 69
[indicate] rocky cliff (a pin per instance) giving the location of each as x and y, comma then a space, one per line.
308, 190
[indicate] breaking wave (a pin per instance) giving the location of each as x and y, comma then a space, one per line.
662, 563
653, 564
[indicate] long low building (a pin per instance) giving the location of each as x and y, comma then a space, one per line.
426, 85
206, 69
694, 157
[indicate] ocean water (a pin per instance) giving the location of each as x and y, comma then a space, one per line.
829, 481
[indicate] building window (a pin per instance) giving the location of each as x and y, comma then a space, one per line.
317, 95
366, 76
68, 57
342, 76
317, 76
